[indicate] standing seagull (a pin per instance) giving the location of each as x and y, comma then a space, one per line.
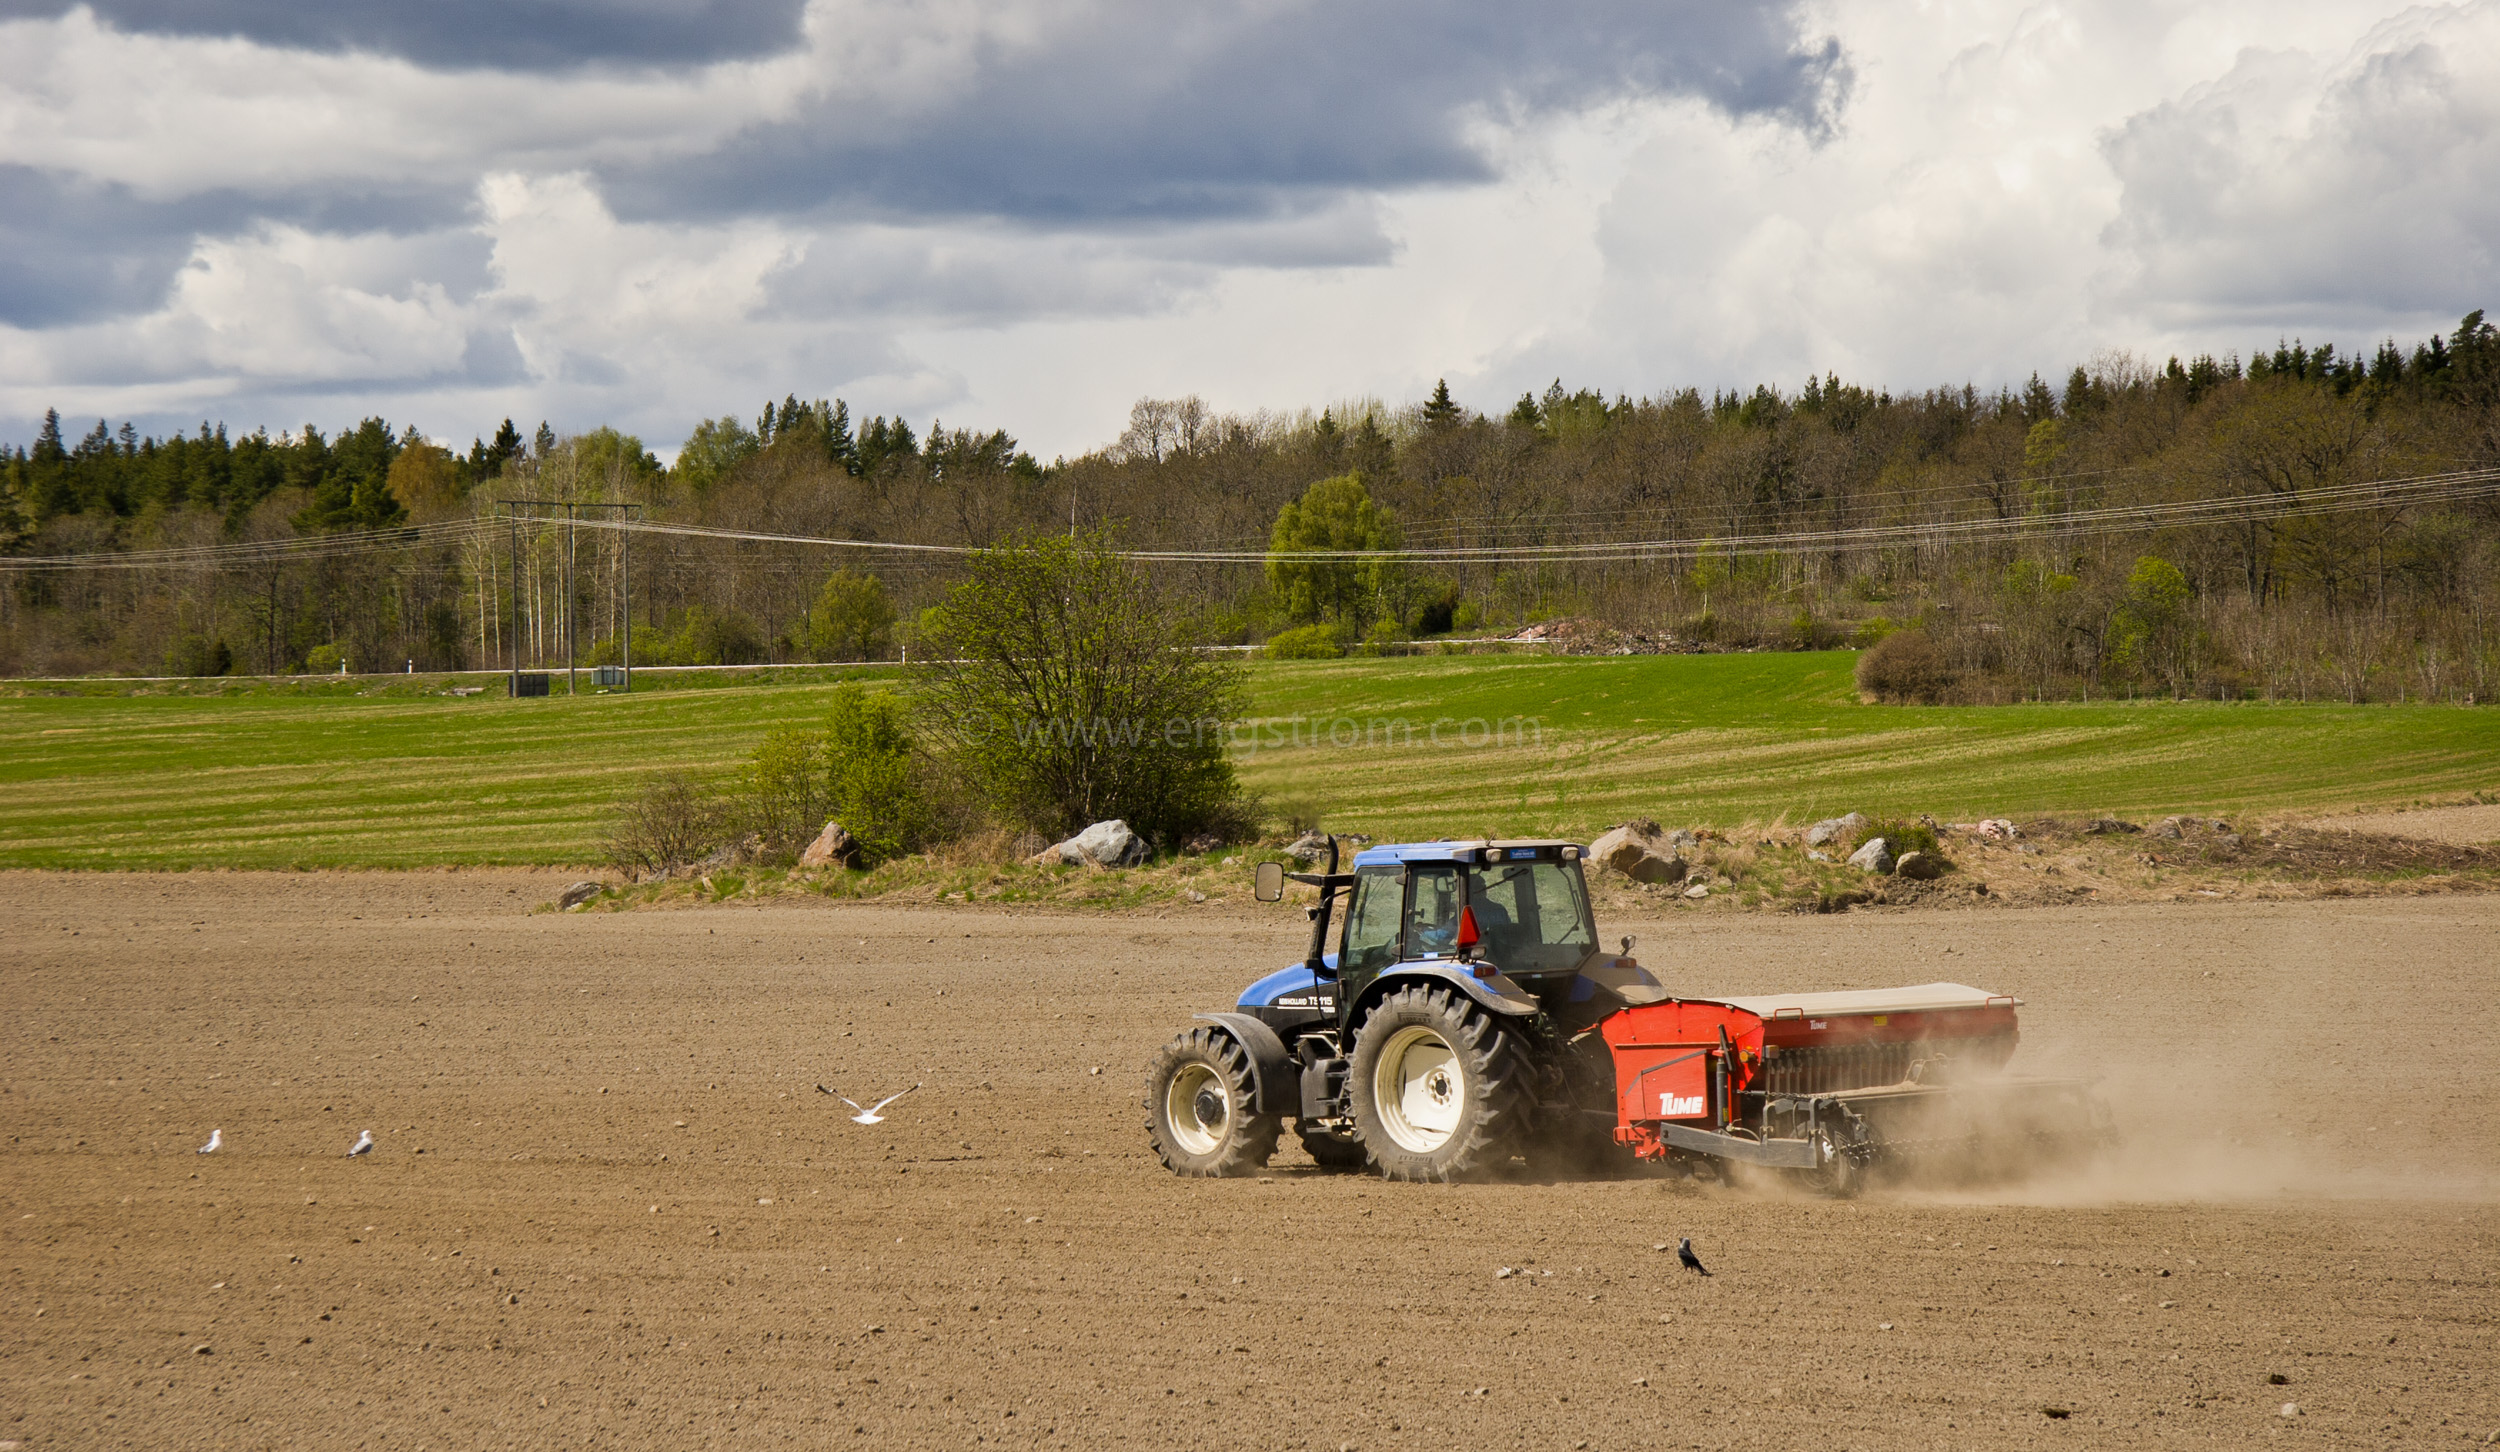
1684, 1256
870, 1114
216, 1137
364, 1146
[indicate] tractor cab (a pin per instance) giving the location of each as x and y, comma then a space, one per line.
1507, 923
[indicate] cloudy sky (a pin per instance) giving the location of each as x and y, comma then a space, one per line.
1027, 215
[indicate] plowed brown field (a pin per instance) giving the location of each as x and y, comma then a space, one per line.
610, 1208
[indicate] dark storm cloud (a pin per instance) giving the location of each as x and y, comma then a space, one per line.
503, 34
74, 250
1152, 114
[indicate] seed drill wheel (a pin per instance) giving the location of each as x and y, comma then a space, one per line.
1198, 1109
1332, 1147
1840, 1160
1437, 1087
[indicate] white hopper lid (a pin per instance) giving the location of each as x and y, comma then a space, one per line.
1925, 998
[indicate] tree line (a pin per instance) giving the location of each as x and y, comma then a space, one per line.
2369, 603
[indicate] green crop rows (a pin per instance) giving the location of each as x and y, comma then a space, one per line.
1395, 748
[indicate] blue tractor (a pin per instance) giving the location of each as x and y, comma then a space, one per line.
1448, 1033
1469, 1017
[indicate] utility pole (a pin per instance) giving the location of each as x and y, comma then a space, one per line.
572, 559
515, 584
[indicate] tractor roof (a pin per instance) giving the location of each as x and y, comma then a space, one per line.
1394, 853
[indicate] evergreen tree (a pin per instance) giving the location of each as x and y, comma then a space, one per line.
1440, 413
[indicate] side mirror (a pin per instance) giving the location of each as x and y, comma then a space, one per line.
1628, 941
1269, 884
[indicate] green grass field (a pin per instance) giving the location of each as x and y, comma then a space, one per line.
1526, 745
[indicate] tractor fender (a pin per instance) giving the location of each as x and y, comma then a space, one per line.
1276, 1084
1497, 994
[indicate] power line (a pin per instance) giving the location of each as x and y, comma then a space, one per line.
2397, 493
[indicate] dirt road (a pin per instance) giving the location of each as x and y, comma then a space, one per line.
609, 1207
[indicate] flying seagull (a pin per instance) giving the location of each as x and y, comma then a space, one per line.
1684, 1256
868, 1115
216, 1137
363, 1145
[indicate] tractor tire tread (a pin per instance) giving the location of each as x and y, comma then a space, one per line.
1252, 1143
1496, 1116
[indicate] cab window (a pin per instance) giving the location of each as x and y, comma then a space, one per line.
1534, 915
1432, 912
1371, 922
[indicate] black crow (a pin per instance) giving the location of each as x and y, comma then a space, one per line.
1684, 1256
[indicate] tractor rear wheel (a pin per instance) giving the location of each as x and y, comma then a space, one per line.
1438, 1086
1332, 1147
1199, 1109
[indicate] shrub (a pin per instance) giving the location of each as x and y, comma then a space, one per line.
1904, 666
783, 797
323, 660
1063, 689
877, 785
1901, 837
670, 822
1309, 642
1384, 638
701, 639
851, 620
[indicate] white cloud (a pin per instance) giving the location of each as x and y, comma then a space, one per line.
2011, 186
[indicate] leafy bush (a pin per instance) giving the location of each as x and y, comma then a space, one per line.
861, 770
1308, 642
1904, 666
670, 822
323, 660
1063, 690
783, 796
877, 783
851, 620
1901, 837
701, 639
1384, 638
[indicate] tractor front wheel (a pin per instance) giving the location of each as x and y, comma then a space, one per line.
1199, 1114
1438, 1087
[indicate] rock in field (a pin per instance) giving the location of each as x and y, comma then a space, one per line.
1997, 829
1104, 844
1919, 866
1875, 856
1832, 829
578, 895
1309, 847
833, 847
2171, 829
1640, 852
